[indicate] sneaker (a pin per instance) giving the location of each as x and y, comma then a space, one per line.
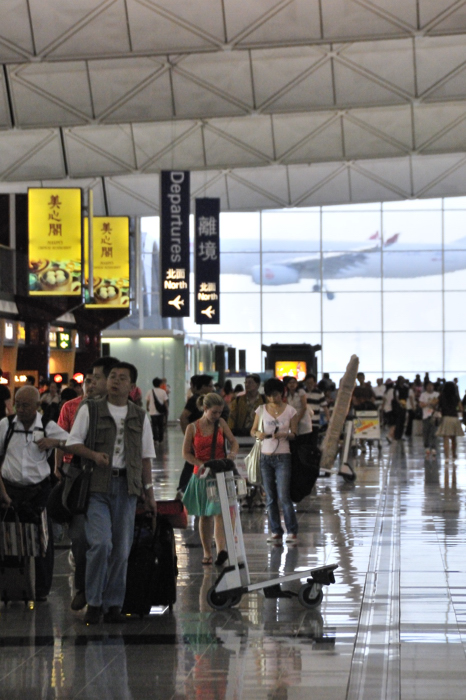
292, 539
113, 615
92, 616
434, 453
79, 601
275, 539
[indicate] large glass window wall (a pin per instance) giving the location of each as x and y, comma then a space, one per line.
386, 281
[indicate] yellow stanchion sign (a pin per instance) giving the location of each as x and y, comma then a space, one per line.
111, 261
55, 235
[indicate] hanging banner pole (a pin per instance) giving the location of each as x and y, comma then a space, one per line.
90, 243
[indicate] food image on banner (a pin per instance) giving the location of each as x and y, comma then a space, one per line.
111, 262
55, 234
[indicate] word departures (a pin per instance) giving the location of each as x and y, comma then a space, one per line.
174, 243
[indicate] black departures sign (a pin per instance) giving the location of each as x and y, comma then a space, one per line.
207, 261
174, 243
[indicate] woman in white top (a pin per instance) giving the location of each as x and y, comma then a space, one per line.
279, 425
297, 398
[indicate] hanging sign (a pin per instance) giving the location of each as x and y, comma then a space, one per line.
174, 243
55, 236
111, 261
207, 261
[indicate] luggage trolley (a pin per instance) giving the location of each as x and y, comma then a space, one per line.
234, 581
366, 426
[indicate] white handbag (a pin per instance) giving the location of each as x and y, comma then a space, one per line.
253, 460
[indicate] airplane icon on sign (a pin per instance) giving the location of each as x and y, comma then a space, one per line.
177, 303
208, 312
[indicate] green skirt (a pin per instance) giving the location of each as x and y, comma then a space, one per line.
195, 498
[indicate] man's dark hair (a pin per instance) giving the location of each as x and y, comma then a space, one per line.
272, 385
310, 376
156, 382
201, 380
107, 364
254, 377
88, 371
29, 378
133, 373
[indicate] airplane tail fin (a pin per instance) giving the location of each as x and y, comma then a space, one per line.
392, 239
375, 237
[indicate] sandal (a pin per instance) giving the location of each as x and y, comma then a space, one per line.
207, 561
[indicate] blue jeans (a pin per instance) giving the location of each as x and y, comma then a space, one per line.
109, 532
276, 475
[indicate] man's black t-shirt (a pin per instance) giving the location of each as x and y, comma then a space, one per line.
192, 408
4, 396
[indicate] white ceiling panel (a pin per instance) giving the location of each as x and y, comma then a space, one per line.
131, 89
352, 18
137, 195
41, 149
389, 62
334, 189
361, 142
168, 146
430, 170
175, 25
431, 122
232, 142
210, 184
295, 78
255, 23
393, 173
5, 120
215, 84
15, 31
84, 28
438, 59
371, 190
50, 94
99, 150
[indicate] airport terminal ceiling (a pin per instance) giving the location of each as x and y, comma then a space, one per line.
270, 104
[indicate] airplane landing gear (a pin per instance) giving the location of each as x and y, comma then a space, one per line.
317, 288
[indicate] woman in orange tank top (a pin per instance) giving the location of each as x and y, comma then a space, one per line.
197, 449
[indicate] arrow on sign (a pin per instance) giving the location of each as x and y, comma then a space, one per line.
208, 312
178, 302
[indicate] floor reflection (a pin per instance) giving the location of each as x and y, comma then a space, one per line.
393, 625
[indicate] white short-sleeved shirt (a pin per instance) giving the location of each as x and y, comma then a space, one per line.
305, 424
161, 395
24, 463
427, 398
81, 426
269, 425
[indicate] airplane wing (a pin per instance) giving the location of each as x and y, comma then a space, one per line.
332, 263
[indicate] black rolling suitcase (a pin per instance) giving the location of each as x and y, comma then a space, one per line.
19, 543
305, 467
152, 567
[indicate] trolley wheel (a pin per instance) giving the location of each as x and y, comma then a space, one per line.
221, 601
309, 596
236, 600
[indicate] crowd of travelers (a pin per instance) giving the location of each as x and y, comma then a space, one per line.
47, 426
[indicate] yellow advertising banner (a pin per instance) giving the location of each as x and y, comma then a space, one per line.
111, 261
55, 236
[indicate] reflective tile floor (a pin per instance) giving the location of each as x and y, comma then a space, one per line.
393, 625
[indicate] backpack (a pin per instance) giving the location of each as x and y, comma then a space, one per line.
11, 430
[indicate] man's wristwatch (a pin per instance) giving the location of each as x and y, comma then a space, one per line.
61, 444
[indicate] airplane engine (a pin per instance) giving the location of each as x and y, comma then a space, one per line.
274, 275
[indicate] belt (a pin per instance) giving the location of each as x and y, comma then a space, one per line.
118, 472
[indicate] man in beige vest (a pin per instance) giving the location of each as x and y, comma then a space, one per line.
122, 457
